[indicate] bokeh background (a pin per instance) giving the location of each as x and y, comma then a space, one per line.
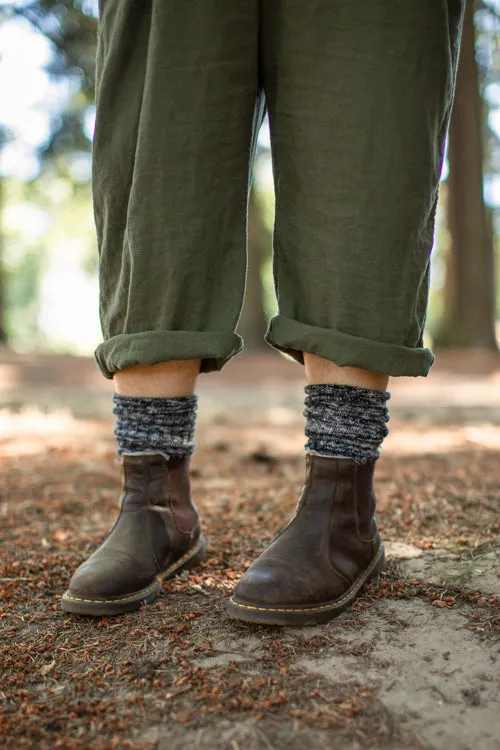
48, 255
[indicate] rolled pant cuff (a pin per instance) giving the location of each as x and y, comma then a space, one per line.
294, 338
214, 348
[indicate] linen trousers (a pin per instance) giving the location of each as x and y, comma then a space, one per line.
358, 94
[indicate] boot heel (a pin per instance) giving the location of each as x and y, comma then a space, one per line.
198, 556
190, 560
380, 565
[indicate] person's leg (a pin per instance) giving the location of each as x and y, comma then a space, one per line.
176, 93
173, 379
320, 370
177, 115
359, 97
155, 408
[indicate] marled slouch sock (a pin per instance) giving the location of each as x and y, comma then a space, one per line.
155, 425
345, 421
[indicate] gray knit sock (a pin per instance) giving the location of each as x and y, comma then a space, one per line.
155, 425
344, 420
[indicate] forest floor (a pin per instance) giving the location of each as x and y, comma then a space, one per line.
414, 664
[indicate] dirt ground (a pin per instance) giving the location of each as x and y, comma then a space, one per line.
414, 664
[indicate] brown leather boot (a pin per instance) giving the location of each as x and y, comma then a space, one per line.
156, 535
319, 563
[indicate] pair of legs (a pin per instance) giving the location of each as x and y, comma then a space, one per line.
177, 379
341, 84
358, 96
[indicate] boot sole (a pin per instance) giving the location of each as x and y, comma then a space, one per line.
78, 605
264, 615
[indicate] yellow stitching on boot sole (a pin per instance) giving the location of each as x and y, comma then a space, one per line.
70, 597
158, 580
332, 605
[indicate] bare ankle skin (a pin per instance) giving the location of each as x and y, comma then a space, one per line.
319, 371
174, 379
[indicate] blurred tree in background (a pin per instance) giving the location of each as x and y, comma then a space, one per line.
469, 313
47, 241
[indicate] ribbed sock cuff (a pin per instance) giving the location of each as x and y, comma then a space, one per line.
344, 420
155, 425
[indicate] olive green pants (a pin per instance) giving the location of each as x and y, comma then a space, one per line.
358, 93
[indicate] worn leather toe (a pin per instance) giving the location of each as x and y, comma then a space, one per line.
116, 574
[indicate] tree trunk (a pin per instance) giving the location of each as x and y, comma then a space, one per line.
253, 321
469, 317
